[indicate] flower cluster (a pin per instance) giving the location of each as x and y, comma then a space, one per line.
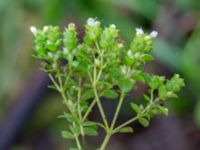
101, 66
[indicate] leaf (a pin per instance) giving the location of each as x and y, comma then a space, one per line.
90, 131
146, 58
140, 78
75, 129
162, 92
156, 82
67, 116
144, 122
125, 85
126, 130
163, 110
89, 123
146, 98
67, 135
135, 107
110, 94
88, 94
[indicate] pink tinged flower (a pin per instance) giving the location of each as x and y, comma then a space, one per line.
139, 31
33, 29
153, 34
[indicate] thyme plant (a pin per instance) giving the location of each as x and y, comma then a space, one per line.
102, 65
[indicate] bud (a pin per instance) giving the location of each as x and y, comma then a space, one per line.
71, 25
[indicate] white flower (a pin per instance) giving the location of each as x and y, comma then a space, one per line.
33, 29
92, 22
45, 28
139, 31
153, 34
113, 26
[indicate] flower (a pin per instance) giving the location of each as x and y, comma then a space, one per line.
45, 28
113, 26
153, 34
92, 22
33, 29
139, 31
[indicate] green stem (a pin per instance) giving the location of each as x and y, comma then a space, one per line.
136, 117
68, 106
125, 124
89, 109
117, 111
100, 108
105, 142
78, 143
79, 108
54, 82
110, 130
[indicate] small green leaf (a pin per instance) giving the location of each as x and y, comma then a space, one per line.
156, 82
67, 135
163, 110
90, 131
88, 94
140, 78
75, 129
67, 116
146, 58
144, 122
89, 123
110, 94
125, 85
147, 98
162, 92
135, 107
126, 130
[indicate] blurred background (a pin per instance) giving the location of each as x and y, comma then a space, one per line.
29, 110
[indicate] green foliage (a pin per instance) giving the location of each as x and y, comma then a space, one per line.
100, 66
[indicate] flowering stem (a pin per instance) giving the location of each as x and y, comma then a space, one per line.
136, 117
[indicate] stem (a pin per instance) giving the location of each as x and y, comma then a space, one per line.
105, 142
117, 111
54, 82
78, 142
79, 109
101, 108
68, 105
89, 109
59, 88
136, 117
110, 132
125, 124
77, 138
